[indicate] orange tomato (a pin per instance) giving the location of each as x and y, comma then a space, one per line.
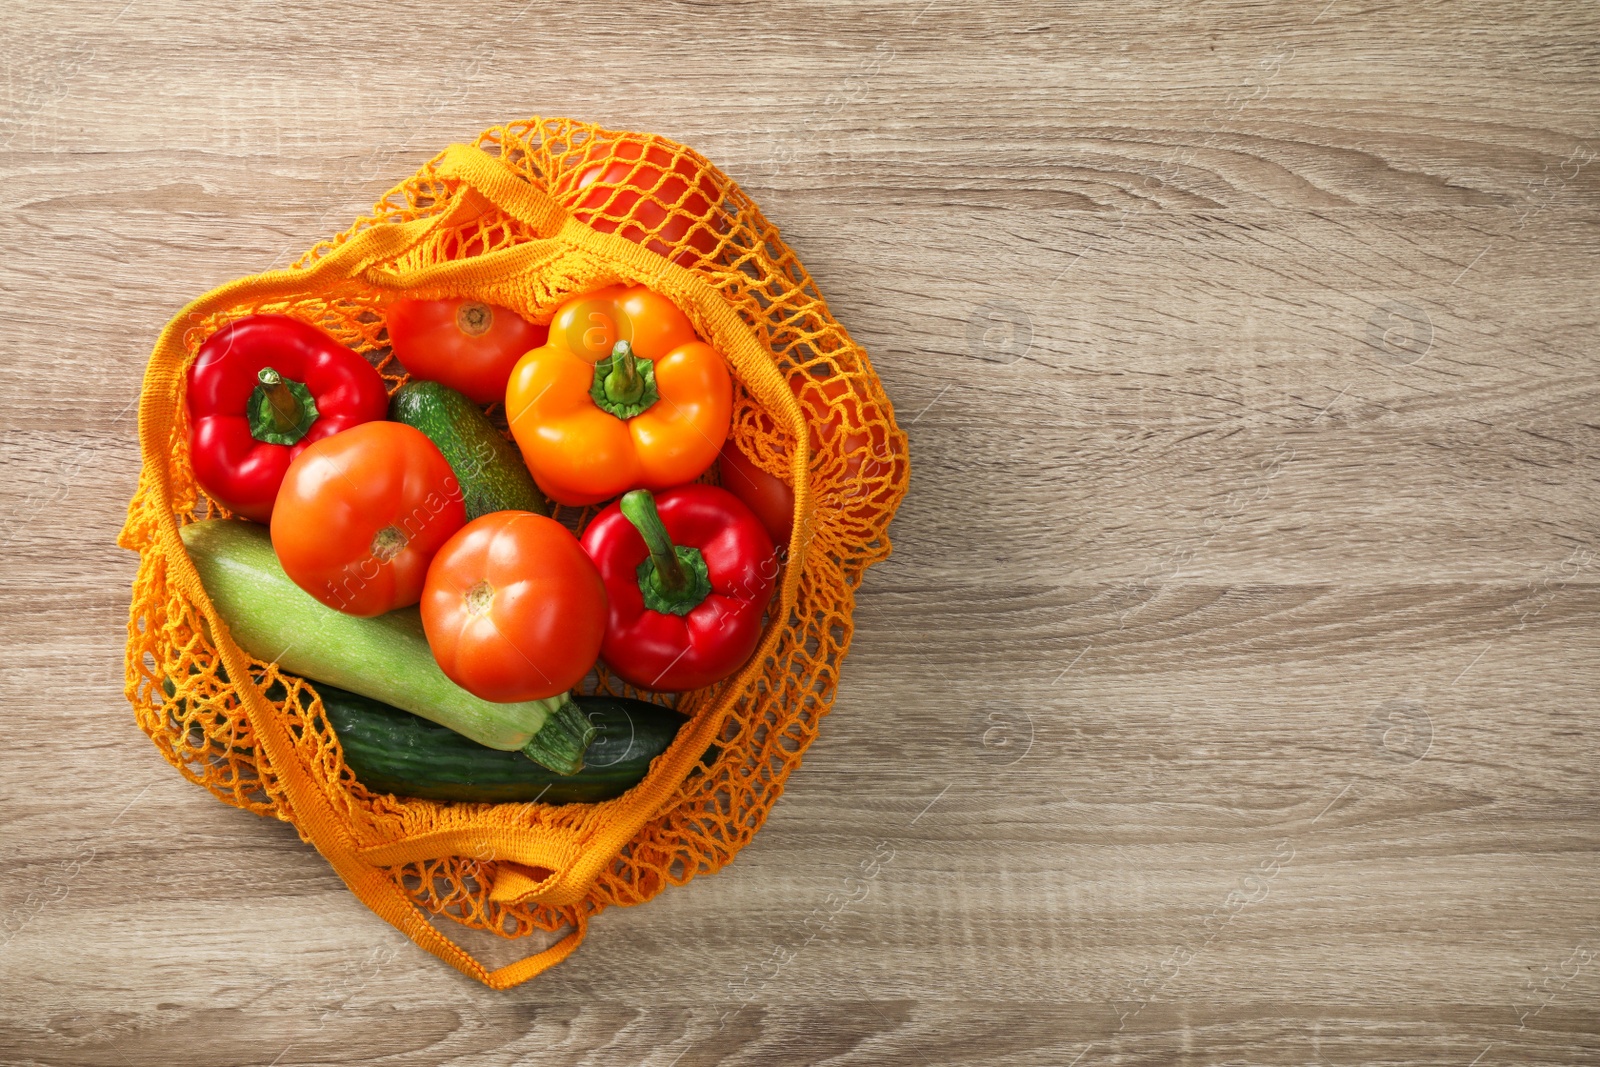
513, 607
579, 449
638, 187
360, 515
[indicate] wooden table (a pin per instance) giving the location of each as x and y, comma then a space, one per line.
1230, 695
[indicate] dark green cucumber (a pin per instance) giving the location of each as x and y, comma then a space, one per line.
393, 751
489, 468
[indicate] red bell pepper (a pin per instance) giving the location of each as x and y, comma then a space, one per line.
261, 390
688, 574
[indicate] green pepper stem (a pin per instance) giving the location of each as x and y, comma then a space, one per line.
639, 508
675, 579
624, 382
283, 405
624, 385
279, 410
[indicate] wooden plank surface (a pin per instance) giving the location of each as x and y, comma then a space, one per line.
1230, 696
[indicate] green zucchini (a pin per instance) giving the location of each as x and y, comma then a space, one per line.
489, 468
391, 751
385, 658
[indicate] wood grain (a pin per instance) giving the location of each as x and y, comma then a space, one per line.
1229, 697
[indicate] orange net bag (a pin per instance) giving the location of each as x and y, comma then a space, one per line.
532, 213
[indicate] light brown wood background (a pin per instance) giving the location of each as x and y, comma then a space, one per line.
1230, 696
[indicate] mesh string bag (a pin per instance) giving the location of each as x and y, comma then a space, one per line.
528, 215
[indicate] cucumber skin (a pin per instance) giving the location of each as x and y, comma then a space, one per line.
385, 658
488, 467
392, 751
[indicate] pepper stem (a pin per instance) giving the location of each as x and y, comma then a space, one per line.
624, 385
284, 407
624, 382
280, 410
639, 507
674, 579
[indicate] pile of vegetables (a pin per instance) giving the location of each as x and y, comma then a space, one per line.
399, 550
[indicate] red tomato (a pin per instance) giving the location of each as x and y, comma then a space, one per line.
635, 187
865, 451
762, 493
360, 515
514, 608
828, 402
465, 344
